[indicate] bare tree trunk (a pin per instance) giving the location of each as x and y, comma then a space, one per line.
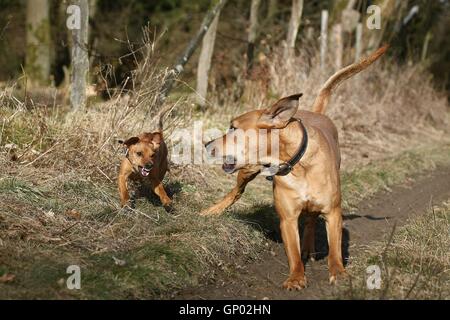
204, 63
388, 8
358, 49
323, 39
80, 58
425, 46
92, 8
272, 9
294, 23
338, 45
38, 54
252, 33
188, 52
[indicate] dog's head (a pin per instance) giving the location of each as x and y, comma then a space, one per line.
142, 150
252, 136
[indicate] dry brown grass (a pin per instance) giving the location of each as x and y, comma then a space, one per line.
58, 193
382, 111
414, 261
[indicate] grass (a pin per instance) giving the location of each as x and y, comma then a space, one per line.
161, 253
364, 181
414, 261
58, 197
158, 253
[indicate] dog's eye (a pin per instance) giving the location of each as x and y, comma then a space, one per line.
139, 154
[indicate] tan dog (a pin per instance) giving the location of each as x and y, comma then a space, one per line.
306, 179
145, 161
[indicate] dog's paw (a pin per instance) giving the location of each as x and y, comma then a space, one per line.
338, 273
127, 209
169, 208
308, 256
295, 283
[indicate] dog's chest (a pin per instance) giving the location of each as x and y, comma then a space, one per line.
304, 193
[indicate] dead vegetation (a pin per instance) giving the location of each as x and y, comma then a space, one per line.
58, 198
414, 261
382, 111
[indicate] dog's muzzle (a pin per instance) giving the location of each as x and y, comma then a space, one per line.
145, 171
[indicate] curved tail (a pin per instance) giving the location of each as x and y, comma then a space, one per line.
321, 102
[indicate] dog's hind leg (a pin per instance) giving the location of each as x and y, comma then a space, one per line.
309, 236
334, 233
244, 177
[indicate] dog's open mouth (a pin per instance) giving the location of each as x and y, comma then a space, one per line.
145, 172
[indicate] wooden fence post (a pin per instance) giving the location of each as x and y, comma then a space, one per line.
323, 38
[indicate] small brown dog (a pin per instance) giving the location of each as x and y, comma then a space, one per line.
145, 161
306, 180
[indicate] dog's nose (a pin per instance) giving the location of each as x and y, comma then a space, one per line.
149, 166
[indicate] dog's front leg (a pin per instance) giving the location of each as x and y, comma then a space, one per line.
289, 213
244, 177
124, 174
159, 190
123, 190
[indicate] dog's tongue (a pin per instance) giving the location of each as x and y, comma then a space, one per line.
144, 172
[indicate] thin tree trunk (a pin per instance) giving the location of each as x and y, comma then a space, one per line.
38, 53
338, 45
188, 52
323, 38
388, 8
93, 41
204, 63
252, 33
358, 48
92, 8
80, 58
294, 23
272, 9
425, 46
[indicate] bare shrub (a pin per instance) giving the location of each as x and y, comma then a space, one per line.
87, 139
380, 111
384, 110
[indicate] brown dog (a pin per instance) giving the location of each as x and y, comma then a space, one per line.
145, 161
306, 179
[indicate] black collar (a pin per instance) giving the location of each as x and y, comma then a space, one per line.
286, 167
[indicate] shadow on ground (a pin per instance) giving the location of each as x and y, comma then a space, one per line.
144, 191
264, 219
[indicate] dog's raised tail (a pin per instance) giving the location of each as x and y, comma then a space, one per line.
321, 102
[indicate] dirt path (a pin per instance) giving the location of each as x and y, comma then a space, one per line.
370, 222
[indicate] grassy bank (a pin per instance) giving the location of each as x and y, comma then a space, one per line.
51, 220
414, 261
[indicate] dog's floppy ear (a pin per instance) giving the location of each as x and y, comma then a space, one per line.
279, 115
128, 143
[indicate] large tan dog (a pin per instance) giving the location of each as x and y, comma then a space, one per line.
145, 161
306, 179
